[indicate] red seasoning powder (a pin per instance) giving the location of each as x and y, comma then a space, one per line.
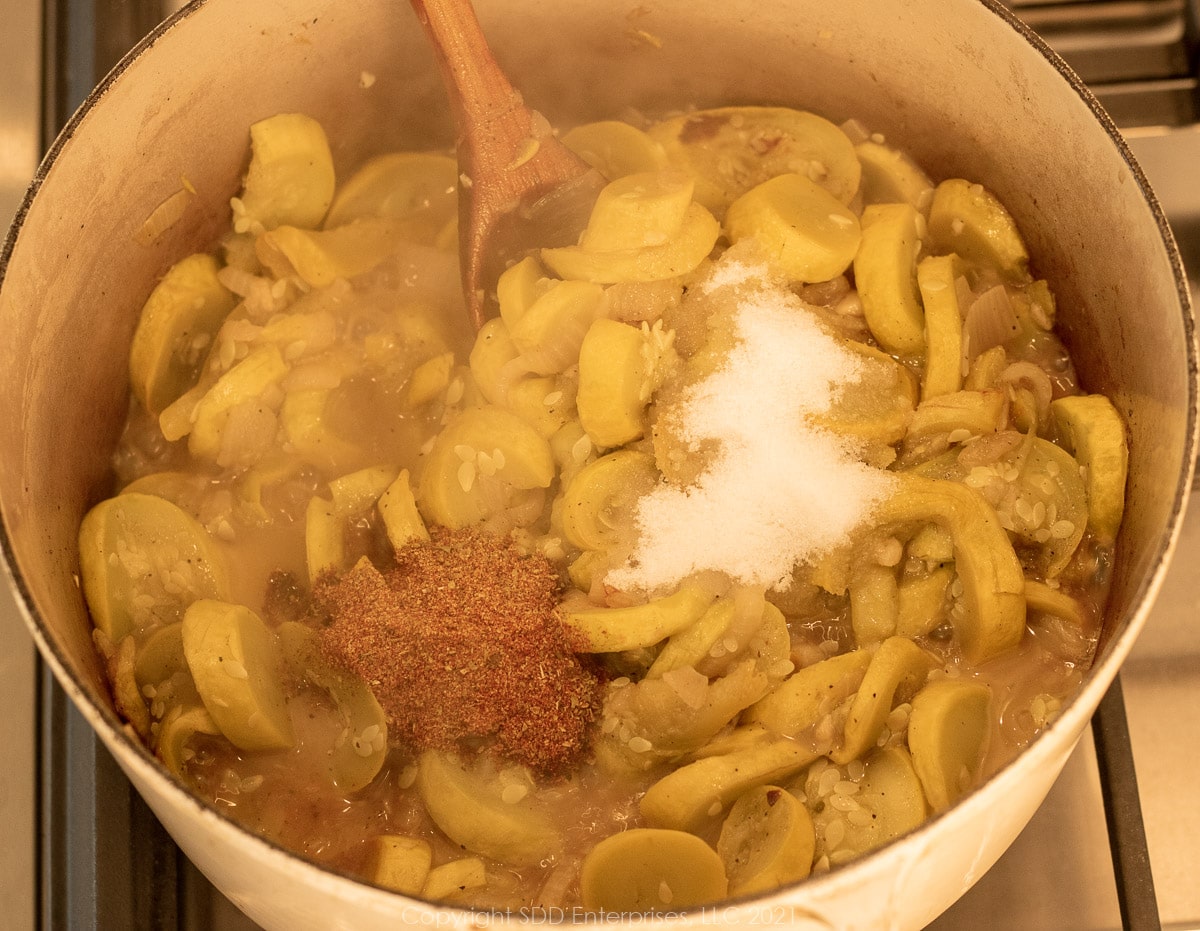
460, 642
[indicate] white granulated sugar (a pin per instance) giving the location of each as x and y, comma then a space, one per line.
729, 273
779, 491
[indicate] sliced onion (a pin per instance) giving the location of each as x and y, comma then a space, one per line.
1035, 379
989, 449
990, 321
163, 217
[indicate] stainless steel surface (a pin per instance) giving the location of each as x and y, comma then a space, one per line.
1059, 874
1133, 53
20, 118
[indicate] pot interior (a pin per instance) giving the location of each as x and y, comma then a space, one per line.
967, 96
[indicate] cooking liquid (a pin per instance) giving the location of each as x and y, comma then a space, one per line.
286, 795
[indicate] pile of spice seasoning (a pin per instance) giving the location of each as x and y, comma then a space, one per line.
462, 646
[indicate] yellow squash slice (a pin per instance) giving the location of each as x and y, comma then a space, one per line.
143, 561
236, 666
651, 870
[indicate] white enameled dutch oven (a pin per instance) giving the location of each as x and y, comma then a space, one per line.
958, 83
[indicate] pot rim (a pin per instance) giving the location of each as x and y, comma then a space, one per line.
1069, 725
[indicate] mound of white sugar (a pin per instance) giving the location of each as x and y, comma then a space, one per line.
779, 490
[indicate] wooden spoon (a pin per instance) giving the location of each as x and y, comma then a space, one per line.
519, 186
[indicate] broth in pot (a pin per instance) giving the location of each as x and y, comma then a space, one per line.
761, 525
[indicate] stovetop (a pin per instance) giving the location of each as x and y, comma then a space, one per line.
82, 851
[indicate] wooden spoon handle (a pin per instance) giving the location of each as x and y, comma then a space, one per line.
513, 171
482, 93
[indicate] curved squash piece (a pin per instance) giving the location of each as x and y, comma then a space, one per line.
691, 646
468, 809
615, 149
679, 712
160, 656
234, 661
478, 460
519, 286
451, 881
305, 422
1037, 493
888, 803
936, 277
1050, 479
550, 331
885, 272
922, 602
360, 740
610, 630
176, 327
805, 697
969, 220
291, 178
429, 380
891, 177
948, 733
398, 508
1038, 496
767, 840
1042, 599
398, 862
898, 663
357, 492
729, 150
600, 496
806, 232
143, 561
637, 211
891, 791
417, 188
176, 732
681, 254
1095, 433
492, 359
613, 378
993, 581
320, 257
874, 602
324, 539
127, 695
545, 402
246, 381
976, 412
694, 795
646, 870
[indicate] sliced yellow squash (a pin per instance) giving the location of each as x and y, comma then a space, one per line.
175, 330
948, 733
143, 560
609, 630
1094, 431
469, 808
885, 271
646, 870
806, 232
291, 178
398, 862
767, 840
729, 150
969, 220
235, 663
